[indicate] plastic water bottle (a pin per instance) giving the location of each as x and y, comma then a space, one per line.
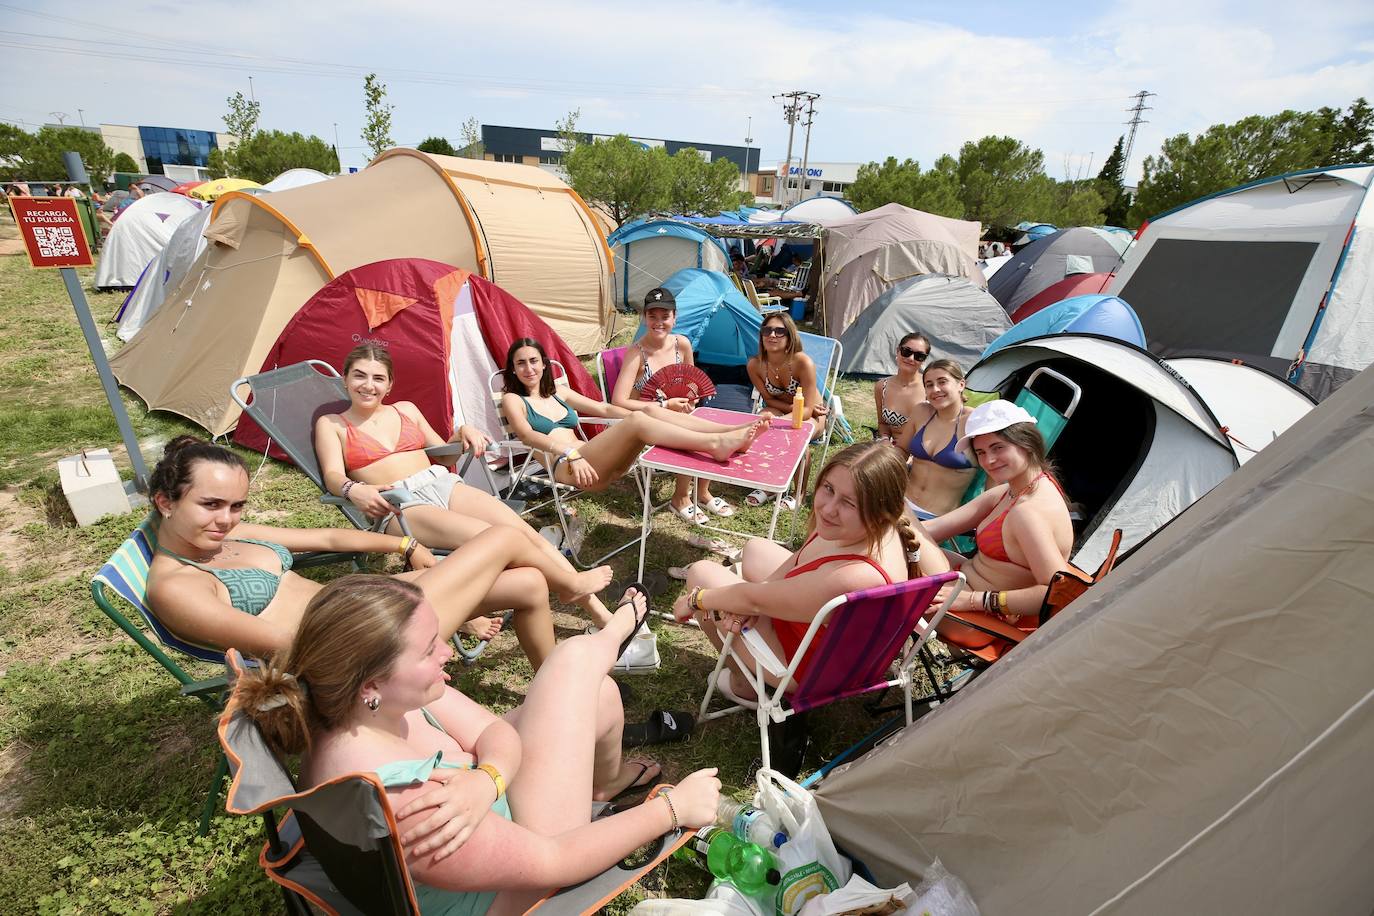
798, 408
709, 849
750, 824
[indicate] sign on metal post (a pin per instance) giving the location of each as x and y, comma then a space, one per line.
53, 237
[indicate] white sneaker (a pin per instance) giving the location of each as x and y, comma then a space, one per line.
640, 656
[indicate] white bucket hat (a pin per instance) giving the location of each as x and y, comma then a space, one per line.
992, 417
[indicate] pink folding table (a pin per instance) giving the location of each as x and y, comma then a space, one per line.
768, 465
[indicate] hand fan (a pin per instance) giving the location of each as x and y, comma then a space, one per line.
678, 381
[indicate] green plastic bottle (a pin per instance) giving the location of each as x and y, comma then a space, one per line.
751, 868
710, 849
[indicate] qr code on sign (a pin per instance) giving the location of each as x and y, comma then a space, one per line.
55, 241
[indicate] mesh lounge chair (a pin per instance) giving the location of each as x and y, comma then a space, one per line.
525, 464
286, 402
338, 846
850, 646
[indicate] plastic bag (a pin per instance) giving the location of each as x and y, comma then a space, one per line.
942, 894
723, 899
809, 862
859, 896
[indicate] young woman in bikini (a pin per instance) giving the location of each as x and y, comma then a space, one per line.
778, 372
493, 812
217, 581
440, 510
897, 397
860, 538
1024, 534
939, 472
659, 347
543, 419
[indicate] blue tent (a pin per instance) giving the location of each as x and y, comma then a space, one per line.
721, 325
648, 251
1104, 316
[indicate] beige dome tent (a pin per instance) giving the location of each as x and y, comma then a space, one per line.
516, 225
867, 253
1191, 736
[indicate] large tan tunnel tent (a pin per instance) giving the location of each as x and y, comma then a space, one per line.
516, 225
1191, 736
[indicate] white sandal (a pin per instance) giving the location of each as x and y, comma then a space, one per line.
717, 506
724, 689
690, 513
758, 498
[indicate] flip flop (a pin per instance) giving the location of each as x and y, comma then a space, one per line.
639, 618
640, 783
662, 727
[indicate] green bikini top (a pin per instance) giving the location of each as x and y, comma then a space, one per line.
250, 590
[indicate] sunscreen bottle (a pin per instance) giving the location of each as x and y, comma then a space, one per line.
798, 407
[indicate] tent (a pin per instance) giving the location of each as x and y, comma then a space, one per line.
714, 316
1070, 286
1191, 736
295, 178
1103, 316
1278, 272
1048, 260
812, 210
647, 252
1143, 444
959, 318
990, 266
446, 329
867, 253
269, 253
141, 231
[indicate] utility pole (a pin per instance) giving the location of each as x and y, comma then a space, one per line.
81, 112
61, 117
251, 94
748, 139
1135, 111
790, 109
811, 98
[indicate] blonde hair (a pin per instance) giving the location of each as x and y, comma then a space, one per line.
880, 477
352, 632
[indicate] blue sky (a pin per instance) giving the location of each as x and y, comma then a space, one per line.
913, 79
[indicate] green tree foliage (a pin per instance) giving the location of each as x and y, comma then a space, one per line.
471, 137
1073, 203
14, 143
42, 156
1252, 148
123, 162
934, 191
619, 174
1111, 186
437, 146
272, 152
241, 121
695, 186
377, 126
1001, 181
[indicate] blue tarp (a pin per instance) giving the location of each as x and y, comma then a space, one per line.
721, 325
1106, 316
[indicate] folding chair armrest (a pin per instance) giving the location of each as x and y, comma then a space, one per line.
329, 499
207, 688
991, 628
447, 450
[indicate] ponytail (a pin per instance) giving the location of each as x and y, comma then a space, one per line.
279, 705
923, 556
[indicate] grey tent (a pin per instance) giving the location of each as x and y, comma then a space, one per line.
959, 318
1046, 261
1191, 736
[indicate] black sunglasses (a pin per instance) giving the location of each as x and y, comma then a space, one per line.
774, 331
918, 355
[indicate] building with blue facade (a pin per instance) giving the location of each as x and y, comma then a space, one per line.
543, 147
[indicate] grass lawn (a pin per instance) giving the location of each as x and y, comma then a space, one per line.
103, 766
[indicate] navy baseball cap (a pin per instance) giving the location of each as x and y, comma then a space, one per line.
659, 298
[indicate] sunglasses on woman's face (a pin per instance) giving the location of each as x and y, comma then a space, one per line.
918, 355
774, 332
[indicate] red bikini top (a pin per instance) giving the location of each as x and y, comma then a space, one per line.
989, 539
834, 558
362, 449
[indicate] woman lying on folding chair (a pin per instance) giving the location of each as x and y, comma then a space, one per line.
939, 473
1024, 534
780, 370
544, 421
860, 538
441, 510
658, 348
493, 811
219, 582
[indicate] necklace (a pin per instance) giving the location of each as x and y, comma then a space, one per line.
776, 373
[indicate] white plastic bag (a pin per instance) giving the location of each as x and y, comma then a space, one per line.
723, 899
942, 894
857, 896
809, 863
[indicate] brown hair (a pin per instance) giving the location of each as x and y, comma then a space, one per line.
914, 335
352, 632
949, 366
1027, 436
794, 344
372, 352
172, 475
512, 383
880, 477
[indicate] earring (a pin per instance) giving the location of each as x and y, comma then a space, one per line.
373, 702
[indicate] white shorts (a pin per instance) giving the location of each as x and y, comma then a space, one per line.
431, 487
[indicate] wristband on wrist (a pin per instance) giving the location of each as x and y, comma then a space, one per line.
663, 794
402, 547
495, 775
1002, 601
348, 485
411, 550
695, 599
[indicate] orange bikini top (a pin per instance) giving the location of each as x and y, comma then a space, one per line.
989, 540
361, 449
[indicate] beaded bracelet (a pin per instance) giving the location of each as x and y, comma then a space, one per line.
671, 810
348, 485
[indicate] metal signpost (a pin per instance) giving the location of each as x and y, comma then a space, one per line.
53, 237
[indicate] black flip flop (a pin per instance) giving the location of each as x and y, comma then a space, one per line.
639, 620
664, 726
639, 783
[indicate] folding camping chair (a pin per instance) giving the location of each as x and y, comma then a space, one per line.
526, 464
338, 846
286, 402
849, 648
